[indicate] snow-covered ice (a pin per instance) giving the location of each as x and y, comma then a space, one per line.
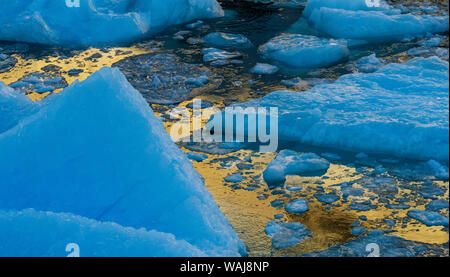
40, 21
303, 51
400, 110
289, 162
104, 155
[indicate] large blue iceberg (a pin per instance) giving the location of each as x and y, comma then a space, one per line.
96, 22
96, 150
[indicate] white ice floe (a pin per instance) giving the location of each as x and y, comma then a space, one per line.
97, 150
96, 22
303, 51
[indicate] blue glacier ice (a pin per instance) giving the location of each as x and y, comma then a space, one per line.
96, 22
400, 110
31, 233
354, 19
97, 150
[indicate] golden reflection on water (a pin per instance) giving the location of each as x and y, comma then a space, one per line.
78, 61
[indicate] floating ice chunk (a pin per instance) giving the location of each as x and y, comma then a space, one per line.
181, 35
39, 22
360, 207
285, 235
302, 51
197, 156
400, 110
350, 5
277, 203
437, 205
418, 51
289, 162
331, 156
281, 3
429, 218
374, 26
296, 83
14, 107
213, 54
327, 198
7, 62
225, 40
39, 83
294, 188
297, 206
438, 170
432, 42
104, 155
30, 233
376, 243
358, 231
398, 206
234, 178
264, 69
374, 23
368, 64
171, 80
195, 24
